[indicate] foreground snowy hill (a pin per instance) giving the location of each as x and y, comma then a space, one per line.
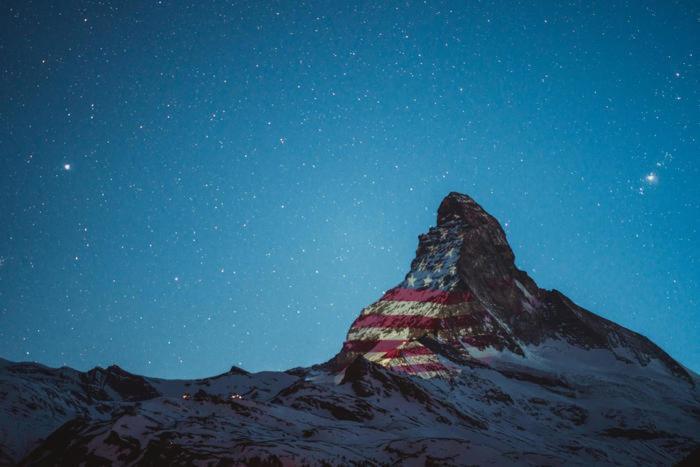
465, 362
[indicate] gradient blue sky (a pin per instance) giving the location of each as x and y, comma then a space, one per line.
244, 177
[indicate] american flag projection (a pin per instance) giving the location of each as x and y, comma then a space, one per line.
431, 301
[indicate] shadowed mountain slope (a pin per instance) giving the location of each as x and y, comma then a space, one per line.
465, 362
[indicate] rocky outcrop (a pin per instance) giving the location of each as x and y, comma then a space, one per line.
464, 292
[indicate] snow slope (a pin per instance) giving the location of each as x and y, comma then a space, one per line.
465, 362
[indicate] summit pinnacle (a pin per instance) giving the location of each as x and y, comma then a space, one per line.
464, 293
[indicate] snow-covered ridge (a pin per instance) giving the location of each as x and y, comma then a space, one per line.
500, 408
466, 361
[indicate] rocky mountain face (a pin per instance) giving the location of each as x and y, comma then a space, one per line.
465, 292
465, 362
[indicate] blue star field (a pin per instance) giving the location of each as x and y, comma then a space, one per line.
187, 186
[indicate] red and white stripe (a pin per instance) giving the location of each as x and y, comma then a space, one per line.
386, 332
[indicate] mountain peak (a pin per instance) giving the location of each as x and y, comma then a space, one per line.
506, 372
459, 206
465, 296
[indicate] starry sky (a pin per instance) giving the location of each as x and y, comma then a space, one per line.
187, 186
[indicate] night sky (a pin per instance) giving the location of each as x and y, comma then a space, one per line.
187, 186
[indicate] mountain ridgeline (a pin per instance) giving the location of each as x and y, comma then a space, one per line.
464, 291
464, 362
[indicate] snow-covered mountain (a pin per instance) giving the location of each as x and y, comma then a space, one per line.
465, 362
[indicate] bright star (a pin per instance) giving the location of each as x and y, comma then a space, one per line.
651, 178
66, 166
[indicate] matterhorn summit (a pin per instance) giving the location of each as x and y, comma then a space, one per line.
464, 298
466, 361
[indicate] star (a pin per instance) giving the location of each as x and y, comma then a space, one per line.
427, 281
451, 253
411, 281
66, 167
651, 178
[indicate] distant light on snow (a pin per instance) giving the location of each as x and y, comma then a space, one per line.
651, 178
66, 166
